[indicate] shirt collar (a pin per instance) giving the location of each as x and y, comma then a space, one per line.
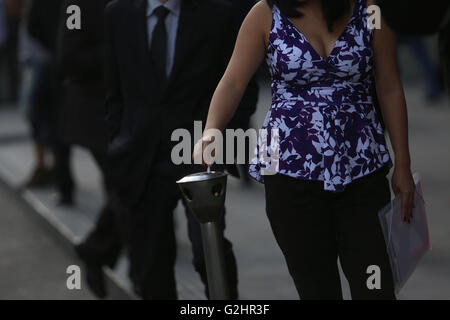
174, 6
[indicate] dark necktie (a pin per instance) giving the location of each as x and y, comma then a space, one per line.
158, 48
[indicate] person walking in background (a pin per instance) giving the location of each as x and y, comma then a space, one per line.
413, 19
444, 50
34, 59
3, 25
433, 87
81, 67
164, 59
13, 13
329, 180
43, 26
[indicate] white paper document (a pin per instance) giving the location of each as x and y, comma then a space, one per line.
406, 242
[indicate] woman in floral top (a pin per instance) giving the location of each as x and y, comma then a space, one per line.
325, 179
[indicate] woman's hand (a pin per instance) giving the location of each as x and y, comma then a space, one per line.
403, 184
198, 154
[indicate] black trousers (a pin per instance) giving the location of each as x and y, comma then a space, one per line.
106, 241
64, 179
9, 59
314, 228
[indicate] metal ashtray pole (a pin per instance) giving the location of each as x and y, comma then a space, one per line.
205, 195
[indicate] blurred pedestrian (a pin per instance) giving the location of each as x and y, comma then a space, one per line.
414, 18
43, 27
325, 177
13, 10
164, 58
444, 50
3, 26
34, 59
418, 48
81, 66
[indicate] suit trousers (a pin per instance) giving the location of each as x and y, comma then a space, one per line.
106, 241
314, 228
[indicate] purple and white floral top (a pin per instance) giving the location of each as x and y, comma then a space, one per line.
322, 109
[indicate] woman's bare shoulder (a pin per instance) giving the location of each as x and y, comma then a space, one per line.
263, 7
261, 14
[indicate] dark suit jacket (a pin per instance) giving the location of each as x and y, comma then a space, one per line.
141, 114
81, 62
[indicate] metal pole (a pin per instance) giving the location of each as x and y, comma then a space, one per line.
215, 261
204, 193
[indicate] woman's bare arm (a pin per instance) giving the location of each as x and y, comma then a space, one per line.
247, 56
393, 107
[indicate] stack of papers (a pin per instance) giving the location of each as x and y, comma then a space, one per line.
406, 242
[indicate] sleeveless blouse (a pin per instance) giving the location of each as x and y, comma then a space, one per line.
322, 124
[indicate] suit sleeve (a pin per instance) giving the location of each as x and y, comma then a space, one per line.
114, 99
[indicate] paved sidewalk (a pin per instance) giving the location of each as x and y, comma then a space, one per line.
262, 271
32, 263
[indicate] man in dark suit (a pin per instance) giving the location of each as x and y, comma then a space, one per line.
164, 60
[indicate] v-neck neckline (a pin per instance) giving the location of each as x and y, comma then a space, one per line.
335, 47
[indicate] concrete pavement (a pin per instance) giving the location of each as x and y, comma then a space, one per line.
32, 263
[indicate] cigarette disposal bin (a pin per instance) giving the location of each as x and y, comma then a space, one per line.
205, 195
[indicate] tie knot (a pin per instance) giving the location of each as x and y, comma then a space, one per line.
161, 12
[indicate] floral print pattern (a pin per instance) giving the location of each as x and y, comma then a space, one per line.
322, 108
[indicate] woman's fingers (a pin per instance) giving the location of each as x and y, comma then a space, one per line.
407, 205
403, 186
199, 150
209, 154
197, 155
411, 205
404, 207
